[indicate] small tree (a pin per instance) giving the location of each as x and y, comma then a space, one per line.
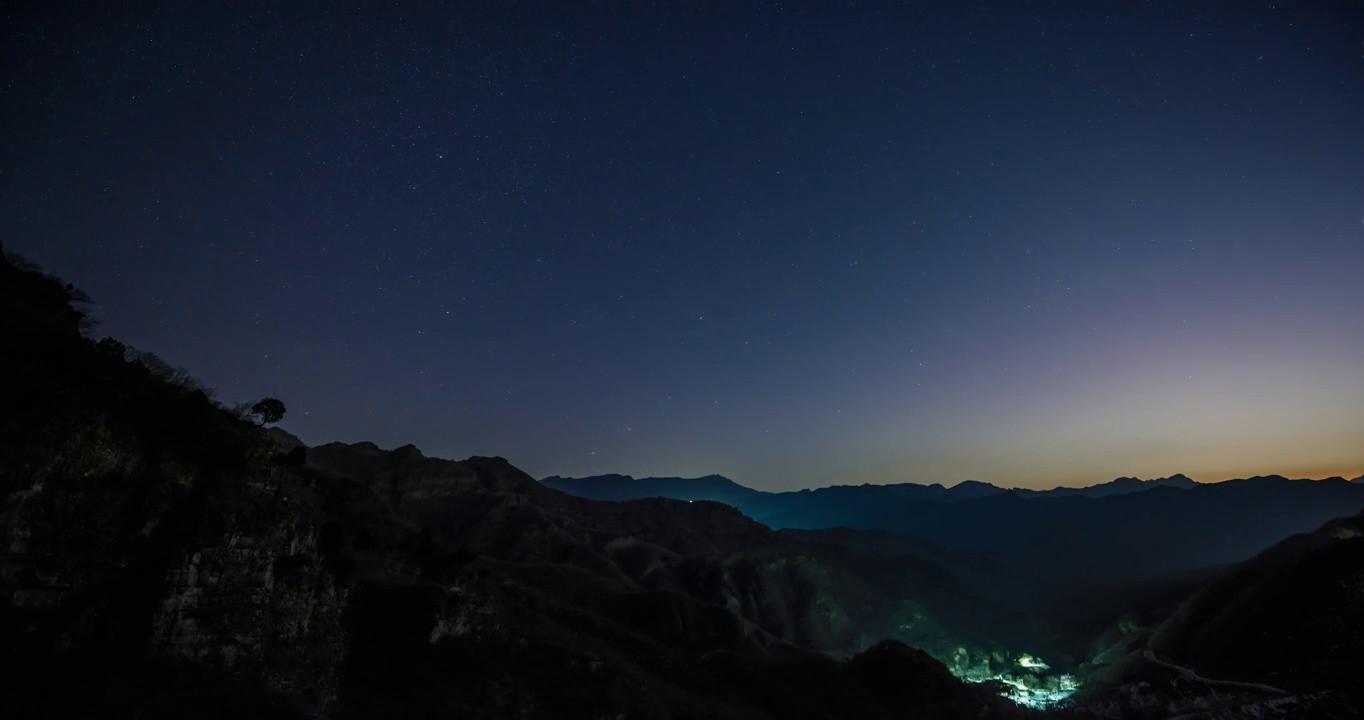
268, 410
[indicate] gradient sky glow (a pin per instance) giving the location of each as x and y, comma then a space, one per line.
797, 247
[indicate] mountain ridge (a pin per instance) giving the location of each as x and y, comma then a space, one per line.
973, 487
629, 486
1091, 528
167, 557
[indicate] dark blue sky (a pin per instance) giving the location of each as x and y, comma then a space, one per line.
794, 244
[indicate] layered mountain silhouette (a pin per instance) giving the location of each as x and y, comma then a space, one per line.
722, 489
167, 557
1120, 486
1121, 530
700, 554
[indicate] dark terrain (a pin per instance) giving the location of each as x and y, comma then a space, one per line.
1289, 617
166, 556
1118, 532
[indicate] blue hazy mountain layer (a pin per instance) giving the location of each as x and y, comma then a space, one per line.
1127, 528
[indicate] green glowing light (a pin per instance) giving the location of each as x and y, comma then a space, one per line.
1039, 691
1022, 679
1040, 699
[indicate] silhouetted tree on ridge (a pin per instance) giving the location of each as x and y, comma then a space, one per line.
268, 410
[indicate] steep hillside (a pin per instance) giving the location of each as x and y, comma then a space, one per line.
144, 526
1276, 636
164, 557
1289, 617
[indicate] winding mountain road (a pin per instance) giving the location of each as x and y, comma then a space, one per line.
1190, 674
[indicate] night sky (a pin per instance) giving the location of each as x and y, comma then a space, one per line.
795, 246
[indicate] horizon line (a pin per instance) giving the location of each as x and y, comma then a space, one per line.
1290, 478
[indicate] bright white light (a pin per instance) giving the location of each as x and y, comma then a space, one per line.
1024, 682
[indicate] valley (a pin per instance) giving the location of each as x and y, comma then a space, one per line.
167, 550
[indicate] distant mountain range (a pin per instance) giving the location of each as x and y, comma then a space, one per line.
721, 489
1119, 486
1124, 529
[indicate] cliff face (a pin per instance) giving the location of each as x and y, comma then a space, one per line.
256, 600
122, 542
146, 529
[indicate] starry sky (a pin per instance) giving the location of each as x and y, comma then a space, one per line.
796, 244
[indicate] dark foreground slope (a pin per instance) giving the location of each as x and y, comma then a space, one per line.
1276, 636
162, 558
1292, 616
